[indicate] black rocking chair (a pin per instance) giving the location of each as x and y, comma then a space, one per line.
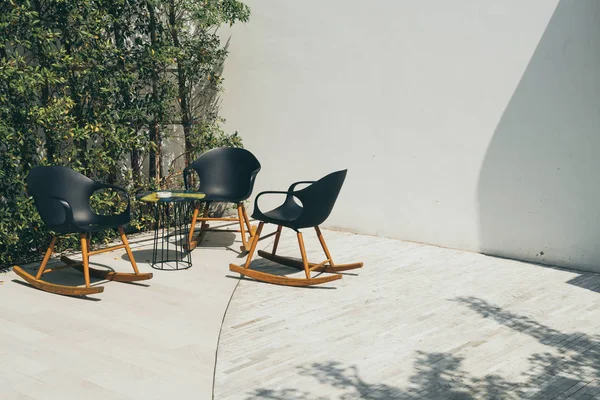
317, 202
227, 175
62, 198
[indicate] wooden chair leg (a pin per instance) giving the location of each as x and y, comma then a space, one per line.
46, 258
62, 289
325, 266
250, 231
303, 252
128, 250
85, 258
277, 235
194, 219
332, 266
195, 242
204, 215
324, 245
253, 245
242, 229
106, 274
278, 279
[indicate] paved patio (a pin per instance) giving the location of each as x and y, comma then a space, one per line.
140, 341
416, 322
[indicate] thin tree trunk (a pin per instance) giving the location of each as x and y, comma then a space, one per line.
135, 153
136, 167
49, 142
183, 91
78, 111
155, 154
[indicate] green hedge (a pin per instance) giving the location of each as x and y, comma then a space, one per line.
98, 86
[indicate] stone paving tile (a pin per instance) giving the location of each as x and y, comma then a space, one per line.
417, 322
145, 341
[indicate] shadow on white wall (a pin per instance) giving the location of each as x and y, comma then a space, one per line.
540, 179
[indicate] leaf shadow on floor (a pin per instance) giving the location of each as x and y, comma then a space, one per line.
569, 369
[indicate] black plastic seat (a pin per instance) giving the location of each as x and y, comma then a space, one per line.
313, 207
62, 198
317, 202
226, 174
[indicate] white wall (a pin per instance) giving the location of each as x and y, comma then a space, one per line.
456, 127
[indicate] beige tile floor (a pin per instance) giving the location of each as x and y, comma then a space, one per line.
156, 340
416, 322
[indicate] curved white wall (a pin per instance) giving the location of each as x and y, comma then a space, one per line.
466, 124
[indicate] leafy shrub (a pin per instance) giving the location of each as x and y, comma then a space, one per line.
95, 85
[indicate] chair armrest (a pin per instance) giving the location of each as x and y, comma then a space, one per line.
102, 185
256, 208
293, 185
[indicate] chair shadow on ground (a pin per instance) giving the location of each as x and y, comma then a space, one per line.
222, 240
141, 255
570, 367
88, 298
66, 277
270, 267
73, 277
211, 240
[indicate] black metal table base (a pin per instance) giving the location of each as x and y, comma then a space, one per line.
170, 251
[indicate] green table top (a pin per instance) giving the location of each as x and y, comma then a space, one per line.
176, 195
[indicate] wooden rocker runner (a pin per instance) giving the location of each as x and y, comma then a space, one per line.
226, 175
317, 202
62, 197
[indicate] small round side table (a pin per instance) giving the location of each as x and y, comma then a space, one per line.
172, 223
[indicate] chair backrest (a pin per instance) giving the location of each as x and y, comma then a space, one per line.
319, 198
57, 189
226, 172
